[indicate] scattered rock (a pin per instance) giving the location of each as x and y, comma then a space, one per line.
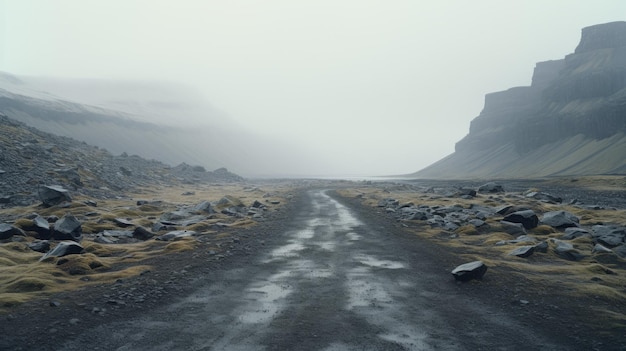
176, 234
142, 233
523, 251
575, 232
491, 188
598, 248
567, 251
515, 229
7, 231
545, 197
67, 228
123, 222
527, 218
51, 195
469, 271
560, 219
64, 248
42, 246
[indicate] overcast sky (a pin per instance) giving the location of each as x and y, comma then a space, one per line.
378, 87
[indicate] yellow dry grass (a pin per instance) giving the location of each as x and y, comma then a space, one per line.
588, 277
23, 277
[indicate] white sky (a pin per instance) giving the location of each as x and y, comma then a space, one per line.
376, 87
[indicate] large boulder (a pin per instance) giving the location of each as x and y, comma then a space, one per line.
67, 228
469, 271
527, 218
560, 219
64, 248
51, 195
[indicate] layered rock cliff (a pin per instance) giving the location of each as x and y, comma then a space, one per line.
571, 120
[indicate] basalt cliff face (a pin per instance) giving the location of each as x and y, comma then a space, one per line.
570, 121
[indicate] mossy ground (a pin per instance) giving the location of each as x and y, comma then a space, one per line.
24, 277
597, 276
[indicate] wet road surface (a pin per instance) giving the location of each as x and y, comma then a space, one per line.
333, 282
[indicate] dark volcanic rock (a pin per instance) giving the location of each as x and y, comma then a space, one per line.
560, 219
527, 218
40, 246
491, 187
523, 251
7, 231
67, 228
142, 233
64, 248
51, 195
469, 271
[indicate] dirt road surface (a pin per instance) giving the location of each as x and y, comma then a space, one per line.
333, 280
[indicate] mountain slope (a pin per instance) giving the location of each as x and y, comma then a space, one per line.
159, 121
570, 121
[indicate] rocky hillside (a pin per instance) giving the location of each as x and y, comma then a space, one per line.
570, 121
30, 158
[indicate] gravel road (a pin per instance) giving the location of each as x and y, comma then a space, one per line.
334, 279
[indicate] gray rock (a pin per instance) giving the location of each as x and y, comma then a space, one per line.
542, 247
609, 235
229, 201
560, 219
575, 232
204, 206
527, 218
545, 197
102, 239
514, 229
51, 195
67, 228
40, 246
620, 251
41, 227
123, 222
598, 248
7, 231
491, 188
257, 204
469, 271
64, 248
142, 233
176, 234
567, 251
388, 203
523, 251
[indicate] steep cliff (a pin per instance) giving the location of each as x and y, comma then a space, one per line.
571, 120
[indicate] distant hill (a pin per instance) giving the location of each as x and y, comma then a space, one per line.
155, 120
570, 121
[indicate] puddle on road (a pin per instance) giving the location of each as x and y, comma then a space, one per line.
289, 250
352, 236
266, 299
363, 292
304, 234
326, 245
374, 262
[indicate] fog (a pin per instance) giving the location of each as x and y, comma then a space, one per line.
338, 87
